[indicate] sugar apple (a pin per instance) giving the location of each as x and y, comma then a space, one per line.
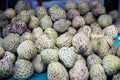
70, 4
37, 32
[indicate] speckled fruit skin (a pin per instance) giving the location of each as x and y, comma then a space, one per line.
11, 42
56, 12
23, 69
70, 4
10, 13
39, 65
97, 72
27, 50
115, 14
111, 31
56, 71
105, 20
44, 42
31, 12
64, 40
45, 22
67, 56
72, 30
80, 57
1, 52
37, 32
93, 59
79, 71
116, 76
111, 64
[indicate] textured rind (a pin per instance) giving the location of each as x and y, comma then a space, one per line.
117, 24
105, 20
116, 76
45, 22
11, 42
31, 12
72, 30
118, 51
56, 12
44, 42
56, 71
49, 55
97, 72
79, 71
70, 4
1, 52
37, 32
80, 57
64, 40
114, 14
111, 31
111, 64
23, 69
93, 59
38, 64
27, 50
10, 13
67, 56
1, 41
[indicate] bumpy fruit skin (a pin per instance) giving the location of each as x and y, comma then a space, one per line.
115, 14
56, 71
78, 22
45, 22
11, 42
67, 56
40, 12
56, 12
1, 41
23, 16
116, 76
38, 64
111, 64
72, 30
98, 8
83, 7
111, 31
89, 18
93, 59
2, 52
27, 36
70, 4
80, 57
27, 50
117, 24
37, 32
72, 13
79, 71
51, 33
49, 55
44, 42
33, 22
105, 20
21, 5
18, 27
97, 72
31, 12
61, 25
23, 69
64, 40
10, 13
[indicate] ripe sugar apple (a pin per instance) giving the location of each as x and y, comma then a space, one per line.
56, 71
38, 64
72, 30
114, 14
27, 36
111, 31
31, 12
23, 16
89, 18
11, 42
51, 33
56, 12
2, 52
72, 13
93, 59
19, 27
34, 22
97, 72
79, 71
27, 50
44, 42
23, 69
116, 76
70, 4
61, 25
105, 20
40, 12
64, 40
67, 56
111, 64
78, 22
45, 22
49, 55
37, 32
10, 13
80, 57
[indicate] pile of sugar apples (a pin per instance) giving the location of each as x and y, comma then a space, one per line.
71, 43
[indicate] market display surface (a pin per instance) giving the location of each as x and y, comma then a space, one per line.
77, 42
